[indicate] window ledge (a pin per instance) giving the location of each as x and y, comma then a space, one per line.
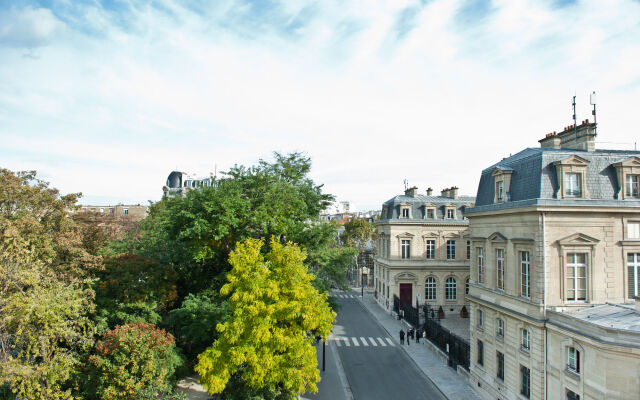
500, 338
526, 352
571, 373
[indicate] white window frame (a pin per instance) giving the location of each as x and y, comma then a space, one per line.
468, 249
633, 230
480, 257
525, 339
451, 213
525, 274
404, 212
573, 265
633, 263
431, 288
573, 188
466, 286
500, 328
405, 249
430, 249
500, 191
451, 249
632, 185
451, 289
480, 322
573, 360
500, 269
431, 211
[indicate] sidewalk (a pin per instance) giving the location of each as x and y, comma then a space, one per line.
452, 385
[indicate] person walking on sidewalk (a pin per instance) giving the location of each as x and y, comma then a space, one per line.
408, 337
402, 337
418, 334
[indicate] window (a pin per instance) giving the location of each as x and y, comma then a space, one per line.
126, 211
431, 249
405, 213
525, 342
480, 323
466, 286
500, 365
632, 185
468, 249
525, 278
450, 213
500, 269
500, 328
102, 210
576, 277
480, 251
480, 353
406, 249
633, 230
572, 185
450, 288
430, 288
572, 396
525, 381
573, 360
500, 191
451, 249
84, 209
633, 265
431, 213
111, 210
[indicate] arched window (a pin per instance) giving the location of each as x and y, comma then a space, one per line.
450, 289
430, 288
466, 286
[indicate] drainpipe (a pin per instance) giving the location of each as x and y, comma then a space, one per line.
544, 301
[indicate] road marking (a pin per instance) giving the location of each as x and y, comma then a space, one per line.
338, 342
390, 342
364, 341
382, 343
355, 341
373, 342
345, 340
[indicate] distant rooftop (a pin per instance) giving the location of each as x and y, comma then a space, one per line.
613, 316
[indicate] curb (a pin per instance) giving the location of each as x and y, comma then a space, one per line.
341, 374
403, 348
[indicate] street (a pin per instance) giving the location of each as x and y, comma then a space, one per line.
374, 364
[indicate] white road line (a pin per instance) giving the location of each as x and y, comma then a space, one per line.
390, 342
373, 342
346, 341
382, 343
355, 341
338, 343
364, 341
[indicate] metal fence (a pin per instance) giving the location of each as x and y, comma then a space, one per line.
407, 311
456, 348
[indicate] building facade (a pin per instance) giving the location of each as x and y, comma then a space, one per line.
555, 235
423, 250
179, 183
133, 212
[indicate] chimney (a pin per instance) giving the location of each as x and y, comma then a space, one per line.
581, 138
429, 192
453, 192
412, 191
444, 192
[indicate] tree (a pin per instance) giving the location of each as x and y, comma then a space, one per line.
133, 361
131, 288
358, 233
268, 339
45, 298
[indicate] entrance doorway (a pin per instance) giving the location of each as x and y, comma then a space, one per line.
405, 292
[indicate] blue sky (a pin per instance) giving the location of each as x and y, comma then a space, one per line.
107, 98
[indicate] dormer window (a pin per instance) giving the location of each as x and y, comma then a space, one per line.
502, 179
628, 172
405, 210
450, 213
571, 177
632, 186
405, 213
572, 186
500, 191
431, 213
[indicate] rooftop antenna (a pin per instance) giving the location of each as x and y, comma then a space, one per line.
575, 120
592, 99
406, 184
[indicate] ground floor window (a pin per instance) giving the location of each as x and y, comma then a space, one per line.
572, 396
480, 358
525, 385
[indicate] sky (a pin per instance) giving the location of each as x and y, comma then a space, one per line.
108, 97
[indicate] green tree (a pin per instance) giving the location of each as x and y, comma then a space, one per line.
276, 313
133, 361
44, 297
358, 233
131, 288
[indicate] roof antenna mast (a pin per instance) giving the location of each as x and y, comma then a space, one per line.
592, 99
575, 120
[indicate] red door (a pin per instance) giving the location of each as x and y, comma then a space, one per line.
405, 292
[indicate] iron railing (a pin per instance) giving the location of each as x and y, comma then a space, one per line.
455, 347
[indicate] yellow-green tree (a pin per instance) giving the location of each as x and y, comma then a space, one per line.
275, 315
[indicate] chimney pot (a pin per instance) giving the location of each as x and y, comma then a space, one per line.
429, 191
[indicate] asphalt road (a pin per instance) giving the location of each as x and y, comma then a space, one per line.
375, 365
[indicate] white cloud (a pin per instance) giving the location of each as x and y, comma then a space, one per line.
29, 27
140, 92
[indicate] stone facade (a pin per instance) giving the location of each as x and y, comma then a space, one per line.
422, 250
551, 284
131, 212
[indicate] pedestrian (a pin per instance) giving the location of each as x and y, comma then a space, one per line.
402, 336
418, 334
424, 334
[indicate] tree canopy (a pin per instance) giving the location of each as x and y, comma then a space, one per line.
275, 316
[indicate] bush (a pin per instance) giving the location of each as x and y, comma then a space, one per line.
133, 359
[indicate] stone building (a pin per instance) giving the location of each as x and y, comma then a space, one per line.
423, 250
179, 183
555, 237
131, 212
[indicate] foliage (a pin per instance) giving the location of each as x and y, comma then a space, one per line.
357, 233
44, 301
131, 288
133, 359
195, 321
275, 315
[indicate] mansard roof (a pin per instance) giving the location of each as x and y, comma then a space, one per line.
418, 202
534, 178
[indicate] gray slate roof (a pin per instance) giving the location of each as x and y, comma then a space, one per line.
418, 210
534, 179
